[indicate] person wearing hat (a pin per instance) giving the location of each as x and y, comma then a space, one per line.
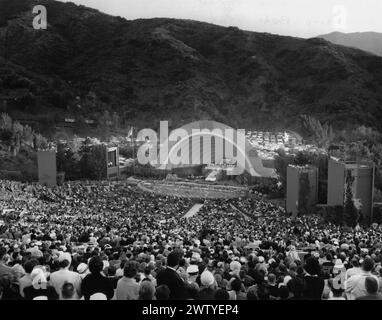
192, 272
83, 270
58, 278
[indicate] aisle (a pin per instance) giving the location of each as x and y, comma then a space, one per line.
193, 211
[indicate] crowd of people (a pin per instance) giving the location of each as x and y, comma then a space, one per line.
104, 241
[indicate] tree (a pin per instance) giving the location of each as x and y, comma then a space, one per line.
67, 162
93, 161
350, 211
322, 134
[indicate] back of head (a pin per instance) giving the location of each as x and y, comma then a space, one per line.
111, 271
371, 285
146, 291
162, 292
312, 266
368, 264
95, 265
251, 294
355, 262
221, 294
236, 285
173, 259
29, 265
68, 290
130, 269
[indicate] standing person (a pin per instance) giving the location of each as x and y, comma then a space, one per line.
58, 278
127, 286
171, 278
95, 282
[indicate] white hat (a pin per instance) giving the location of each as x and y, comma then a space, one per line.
287, 279
261, 259
65, 256
192, 269
195, 256
82, 268
235, 266
207, 278
39, 280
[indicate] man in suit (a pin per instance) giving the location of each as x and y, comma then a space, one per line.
170, 277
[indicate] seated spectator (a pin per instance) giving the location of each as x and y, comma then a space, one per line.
162, 292
314, 283
372, 286
58, 278
95, 282
355, 286
26, 280
336, 291
146, 291
221, 295
127, 286
68, 292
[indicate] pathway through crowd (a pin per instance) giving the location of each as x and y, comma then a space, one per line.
193, 211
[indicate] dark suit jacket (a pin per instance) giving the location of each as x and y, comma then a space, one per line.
174, 282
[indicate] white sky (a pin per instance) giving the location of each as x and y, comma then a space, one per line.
301, 18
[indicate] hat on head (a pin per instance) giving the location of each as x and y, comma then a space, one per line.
235, 266
65, 256
196, 257
82, 268
287, 279
207, 278
193, 269
39, 280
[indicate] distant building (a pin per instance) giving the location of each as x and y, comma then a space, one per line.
47, 168
363, 185
295, 204
112, 157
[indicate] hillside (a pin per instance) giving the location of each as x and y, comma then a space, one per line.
87, 62
367, 41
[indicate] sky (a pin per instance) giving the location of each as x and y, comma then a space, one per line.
299, 18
